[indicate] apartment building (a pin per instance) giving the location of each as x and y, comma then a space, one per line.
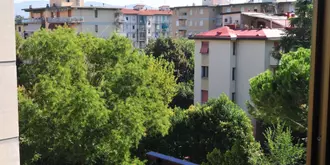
100, 21
190, 20
142, 25
9, 141
226, 59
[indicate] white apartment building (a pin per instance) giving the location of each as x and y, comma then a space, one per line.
226, 59
141, 25
9, 136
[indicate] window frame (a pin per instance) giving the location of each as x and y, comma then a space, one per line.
203, 45
234, 48
205, 72
233, 74
96, 28
96, 13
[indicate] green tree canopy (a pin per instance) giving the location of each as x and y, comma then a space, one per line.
199, 130
181, 53
300, 34
86, 100
283, 95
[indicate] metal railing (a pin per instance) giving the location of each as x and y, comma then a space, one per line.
32, 20
66, 20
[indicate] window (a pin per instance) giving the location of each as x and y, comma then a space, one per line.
205, 71
233, 97
242, 9
204, 47
19, 29
233, 74
148, 31
67, 0
96, 13
205, 96
149, 22
133, 27
96, 28
201, 22
228, 10
177, 23
234, 48
133, 36
190, 12
190, 23
126, 18
226, 20
201, 11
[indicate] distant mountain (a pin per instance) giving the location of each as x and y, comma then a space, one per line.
43, 3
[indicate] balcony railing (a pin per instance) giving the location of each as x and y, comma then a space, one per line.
66, 20
32, 20
183, 17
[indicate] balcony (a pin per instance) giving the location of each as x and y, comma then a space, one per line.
32, 21
183, 17
66, 20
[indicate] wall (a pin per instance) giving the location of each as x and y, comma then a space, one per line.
219, 68
9, 143
197, 72
199, 19
233, 17
251, 61
105, 22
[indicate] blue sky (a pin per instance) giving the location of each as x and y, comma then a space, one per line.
154, 3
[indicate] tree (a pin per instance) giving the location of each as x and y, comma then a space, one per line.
199, 130
181, 53
85, 100
283, 95
18, 19
281, 148
300, 33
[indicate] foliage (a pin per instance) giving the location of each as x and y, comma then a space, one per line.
18, 19
199, 130
300, 34
86, 100
281, 148
283, 96
181, 53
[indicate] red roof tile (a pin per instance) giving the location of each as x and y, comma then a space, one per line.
227, 33
146, 12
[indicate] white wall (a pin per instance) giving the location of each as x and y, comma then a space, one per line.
233, 17
9, 143
250, 62
219, 68
105, 22
198, 73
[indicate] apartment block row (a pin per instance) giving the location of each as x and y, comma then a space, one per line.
141, 24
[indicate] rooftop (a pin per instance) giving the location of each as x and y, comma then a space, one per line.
74, 7
227, 33
146, 12
280, 20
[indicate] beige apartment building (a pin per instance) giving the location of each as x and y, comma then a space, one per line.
99, 21
190, 20
9, 141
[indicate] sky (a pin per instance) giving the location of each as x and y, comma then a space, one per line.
153, 3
